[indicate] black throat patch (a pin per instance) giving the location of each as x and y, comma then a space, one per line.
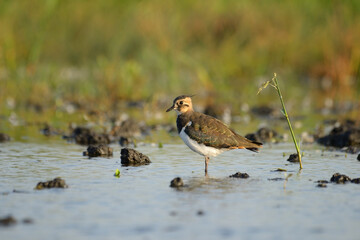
181, 121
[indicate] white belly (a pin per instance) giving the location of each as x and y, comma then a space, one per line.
199, 148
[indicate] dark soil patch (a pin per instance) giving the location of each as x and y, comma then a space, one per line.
351, 149
240, 175
356, 180
200, 213
279, 170
176, 182
129, 128
131, 157
322, 185
294, 158
55, 183
342, 135
28, 221
123, 132
262, 135
10, 220
322, 181
98, 151
7, 221
86, 136
340, 178
92, 138
4, 137
48, 130
126, 141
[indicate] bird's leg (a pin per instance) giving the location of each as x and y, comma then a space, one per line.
206, 164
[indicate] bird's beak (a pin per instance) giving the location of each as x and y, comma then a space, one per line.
170, 108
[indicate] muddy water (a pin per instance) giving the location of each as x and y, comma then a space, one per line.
141, 205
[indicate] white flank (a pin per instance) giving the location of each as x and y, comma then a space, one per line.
199, 148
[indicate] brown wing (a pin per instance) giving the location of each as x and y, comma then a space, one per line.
212, 132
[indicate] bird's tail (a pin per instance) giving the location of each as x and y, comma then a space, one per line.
255, 146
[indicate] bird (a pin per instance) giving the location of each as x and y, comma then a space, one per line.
205, 134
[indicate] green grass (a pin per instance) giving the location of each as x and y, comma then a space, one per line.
101, 53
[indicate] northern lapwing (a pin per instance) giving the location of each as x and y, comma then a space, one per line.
204, 134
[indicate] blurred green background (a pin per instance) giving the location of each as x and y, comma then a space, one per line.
100, 53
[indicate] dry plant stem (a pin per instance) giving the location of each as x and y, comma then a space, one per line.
287, 118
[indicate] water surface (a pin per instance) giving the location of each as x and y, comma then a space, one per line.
141, 205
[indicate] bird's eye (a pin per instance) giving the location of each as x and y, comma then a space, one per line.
181, 102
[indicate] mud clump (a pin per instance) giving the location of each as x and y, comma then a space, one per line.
7, 221
129, 128
351, 149
322, 185
240, 175
356, 180
322, 181
28, 221
4, 137
85, 136
294, 158
343, 135
176, 182
279, 170
262, 135
131, 157
200, 213
98, 151
48, 130
55, 183
126, 141
340, 178
92, 138
10, 220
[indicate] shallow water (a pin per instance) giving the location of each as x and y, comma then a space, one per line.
141, 205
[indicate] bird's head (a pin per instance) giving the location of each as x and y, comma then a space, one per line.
181, 104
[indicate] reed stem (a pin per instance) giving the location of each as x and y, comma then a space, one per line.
276, 84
